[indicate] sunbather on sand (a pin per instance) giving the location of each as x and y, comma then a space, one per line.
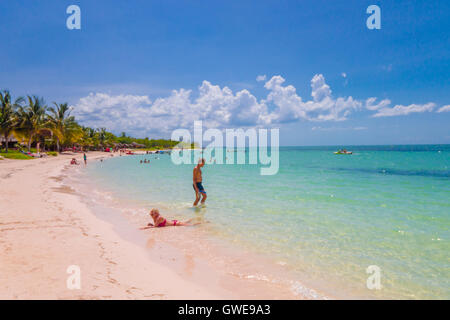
160, 221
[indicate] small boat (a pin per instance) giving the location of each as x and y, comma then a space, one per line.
343, 152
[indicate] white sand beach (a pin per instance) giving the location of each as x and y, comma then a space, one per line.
45, 228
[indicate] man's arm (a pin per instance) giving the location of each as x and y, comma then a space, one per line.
194, 176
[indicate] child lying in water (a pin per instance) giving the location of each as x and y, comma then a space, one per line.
160, 221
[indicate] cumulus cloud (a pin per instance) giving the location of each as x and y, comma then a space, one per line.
323, 107
220, 107
261, 78
444, 109
400, 110
112, 112
344, 75
372, 105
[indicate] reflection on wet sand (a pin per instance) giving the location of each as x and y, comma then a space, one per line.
190, 264
150, 243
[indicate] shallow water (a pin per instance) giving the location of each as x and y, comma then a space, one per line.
324, 217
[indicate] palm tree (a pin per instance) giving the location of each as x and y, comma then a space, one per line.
84, 136
102, 136
61, 122
8, 119
33, 118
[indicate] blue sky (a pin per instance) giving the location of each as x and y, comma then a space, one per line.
121, 68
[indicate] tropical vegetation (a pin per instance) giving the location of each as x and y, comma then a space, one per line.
32, 123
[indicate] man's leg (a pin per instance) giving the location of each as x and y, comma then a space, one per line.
203, 197
197, 198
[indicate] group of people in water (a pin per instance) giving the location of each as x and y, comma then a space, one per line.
200, 195
158, 219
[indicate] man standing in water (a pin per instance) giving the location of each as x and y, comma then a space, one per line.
197, 179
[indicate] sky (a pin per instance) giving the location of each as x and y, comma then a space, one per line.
313, 69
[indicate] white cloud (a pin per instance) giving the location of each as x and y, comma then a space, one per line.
344, 75
112, 112
323, 107
444, 109
220, 107
387, 68
261, 78
371, 105
400, 110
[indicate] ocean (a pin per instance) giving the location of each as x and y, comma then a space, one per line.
323, 218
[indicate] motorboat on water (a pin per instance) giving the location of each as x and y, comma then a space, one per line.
343, 151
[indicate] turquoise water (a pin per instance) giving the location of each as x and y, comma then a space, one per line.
326, 217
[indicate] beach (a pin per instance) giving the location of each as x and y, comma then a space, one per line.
45, 228
309, 232
236, 151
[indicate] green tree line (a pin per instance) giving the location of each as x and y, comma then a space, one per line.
30, 120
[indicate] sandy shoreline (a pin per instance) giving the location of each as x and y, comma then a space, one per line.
45, 228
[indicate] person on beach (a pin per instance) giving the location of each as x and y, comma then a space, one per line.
159, 221
197, 185
85, 158
74, 161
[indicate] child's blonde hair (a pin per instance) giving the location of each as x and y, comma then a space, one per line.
154, 211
